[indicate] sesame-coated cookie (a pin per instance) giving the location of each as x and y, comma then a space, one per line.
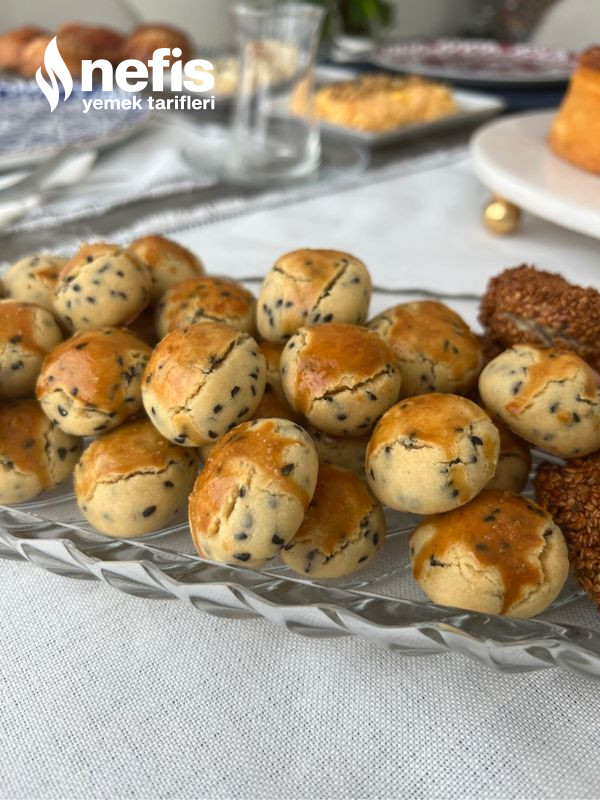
341, 377
529, 306
205, 300
132, 481
169, 263
308, 287
33, 279
549, 397
27, 333
571, 494
514, 461
435, 349
102, 285
201, 381
92, 382
343, 528
431, 453
343, 451
499, 554
34, 453
251, 496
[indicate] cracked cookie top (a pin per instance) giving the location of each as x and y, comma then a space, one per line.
500, 553
168, 262
309, 287
206, 300
134, 448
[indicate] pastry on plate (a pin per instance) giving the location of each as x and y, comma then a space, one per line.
549, 397
206, 299
435, 349
102, 284
92, 382
12, 43
132, 481
33, 279
571, 494
309, 287
524, 305
499, 554
144, 40
168, 262
431, 453
27, 334
201, 381
252, 494
35, 454
340, 377
343, 528
575, 131
378, 103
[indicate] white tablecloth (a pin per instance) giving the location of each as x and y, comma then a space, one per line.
103, 695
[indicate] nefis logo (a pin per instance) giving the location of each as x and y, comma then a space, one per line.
130, 75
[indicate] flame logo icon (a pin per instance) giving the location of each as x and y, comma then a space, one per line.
56, 68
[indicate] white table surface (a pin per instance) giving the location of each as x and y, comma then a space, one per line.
103, 695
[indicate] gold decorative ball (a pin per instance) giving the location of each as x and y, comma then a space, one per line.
501, 217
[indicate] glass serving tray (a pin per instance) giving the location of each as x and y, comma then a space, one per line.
381, 603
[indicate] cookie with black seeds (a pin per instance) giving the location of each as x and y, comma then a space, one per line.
33, 279
103, 284
35, 455
132, 481
169, 263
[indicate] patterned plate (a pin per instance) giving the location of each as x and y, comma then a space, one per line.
30, 133
478, 61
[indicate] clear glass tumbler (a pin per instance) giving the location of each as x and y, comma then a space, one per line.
275, 135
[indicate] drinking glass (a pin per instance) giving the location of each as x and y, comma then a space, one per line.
275, 135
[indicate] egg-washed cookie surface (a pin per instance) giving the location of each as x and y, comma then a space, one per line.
435, 349
33, 279
431, 453
343, 528
499, 554
34, 453
27, 333
550, 398
253, 491
132, 481
92, 382
310, 287
168, 262
201, 381
340, 377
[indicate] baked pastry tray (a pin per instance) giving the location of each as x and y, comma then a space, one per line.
381, 603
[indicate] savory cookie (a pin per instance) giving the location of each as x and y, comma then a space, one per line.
435, 349
343, 528
169, 263
145, 39
33, 279
431, 453
27, 333
205, 300
499, 554
307, 287
92, 382
102, 285
251, 496
132, 481
549, 397
341, 377
34, 453
202, 381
